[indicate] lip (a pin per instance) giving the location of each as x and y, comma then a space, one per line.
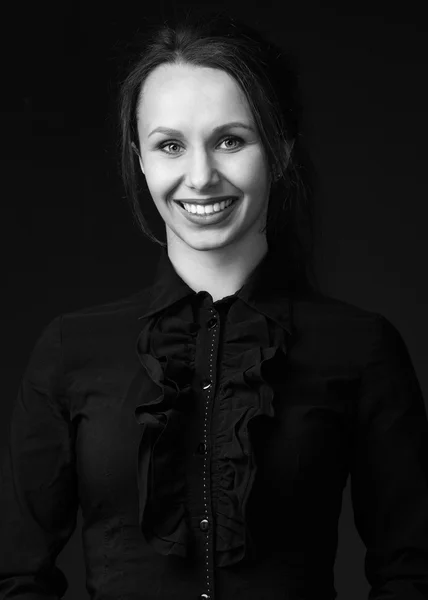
204, 201
212, 218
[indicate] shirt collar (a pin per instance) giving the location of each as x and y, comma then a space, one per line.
267, 289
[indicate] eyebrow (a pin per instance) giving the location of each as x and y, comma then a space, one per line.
216, 130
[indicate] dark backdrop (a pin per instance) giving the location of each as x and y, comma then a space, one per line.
70, 239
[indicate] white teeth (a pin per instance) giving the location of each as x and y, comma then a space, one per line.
208, 208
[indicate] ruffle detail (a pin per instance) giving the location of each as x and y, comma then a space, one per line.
168, 357
166, 348
245, 399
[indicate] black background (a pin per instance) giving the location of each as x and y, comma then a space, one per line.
70, 241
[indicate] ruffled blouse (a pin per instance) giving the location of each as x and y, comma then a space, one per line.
303, 391
166, 348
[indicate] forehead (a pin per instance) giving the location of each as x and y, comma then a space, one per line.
189, 93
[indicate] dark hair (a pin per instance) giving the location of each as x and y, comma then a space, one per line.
269, 81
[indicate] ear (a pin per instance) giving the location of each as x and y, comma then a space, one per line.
134, 147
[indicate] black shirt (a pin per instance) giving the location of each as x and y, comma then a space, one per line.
208, 445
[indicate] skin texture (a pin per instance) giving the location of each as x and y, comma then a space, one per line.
198, 164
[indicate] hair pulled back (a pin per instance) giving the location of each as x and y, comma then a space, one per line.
269, 81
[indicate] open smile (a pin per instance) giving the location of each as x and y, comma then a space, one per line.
213, 217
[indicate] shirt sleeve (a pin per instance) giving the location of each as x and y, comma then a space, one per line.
38, 483
389, 470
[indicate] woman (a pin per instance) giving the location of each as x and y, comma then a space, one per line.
207, 425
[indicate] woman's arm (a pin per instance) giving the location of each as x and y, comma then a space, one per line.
389, 471
38, 486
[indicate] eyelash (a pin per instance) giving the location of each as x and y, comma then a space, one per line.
163, 145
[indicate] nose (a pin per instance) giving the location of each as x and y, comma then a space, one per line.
201, 171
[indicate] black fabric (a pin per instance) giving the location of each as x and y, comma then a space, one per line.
208, 445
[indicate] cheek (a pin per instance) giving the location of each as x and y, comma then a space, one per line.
154, 171
251, 171
158, 178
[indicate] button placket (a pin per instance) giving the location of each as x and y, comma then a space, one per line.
202, 448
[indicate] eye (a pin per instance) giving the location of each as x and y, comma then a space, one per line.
234, 138
171, 143
166, 144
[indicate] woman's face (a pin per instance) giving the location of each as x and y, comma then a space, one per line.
199, 161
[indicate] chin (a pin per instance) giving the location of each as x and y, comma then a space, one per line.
201, 240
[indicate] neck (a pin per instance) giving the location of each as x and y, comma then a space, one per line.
222, 271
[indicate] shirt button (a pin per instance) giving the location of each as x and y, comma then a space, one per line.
204, 524
212, 323
202, 448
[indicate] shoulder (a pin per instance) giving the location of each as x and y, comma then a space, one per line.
342, 329
332, 311
103, 330
95, 318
